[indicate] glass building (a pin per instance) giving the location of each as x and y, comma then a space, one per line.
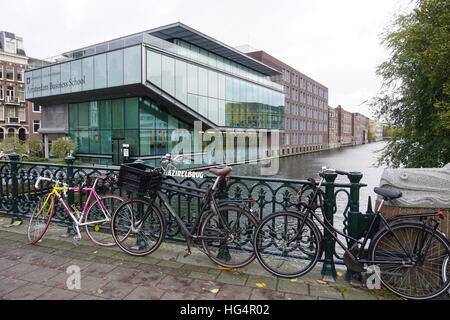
137, 89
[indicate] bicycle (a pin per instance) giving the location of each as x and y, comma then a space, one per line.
95, 215
223, 228
412, 256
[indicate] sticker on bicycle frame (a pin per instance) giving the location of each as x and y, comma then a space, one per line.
184, 174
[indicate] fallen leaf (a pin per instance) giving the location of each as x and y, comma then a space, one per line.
214, 290
95, 252
261, 285
321, 282
224, 268
339, 274
294, 280
99, 291
16, 223
308, 282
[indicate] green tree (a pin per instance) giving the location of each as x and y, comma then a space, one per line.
63, 147
416, 91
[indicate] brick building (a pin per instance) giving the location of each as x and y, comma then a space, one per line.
306, 108
360, 128
18, 118
333, 128
345, 126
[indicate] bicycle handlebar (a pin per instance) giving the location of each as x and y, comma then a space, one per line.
36, 185
340, 172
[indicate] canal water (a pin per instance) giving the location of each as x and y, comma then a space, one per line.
361, 158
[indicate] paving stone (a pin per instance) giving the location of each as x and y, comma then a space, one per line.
147, 278
292, 287
5, 263
90, 285
58, 294
271, 283
115, 290
175, 283
178, 296
232, 292
232, 278
98, 269
214, 270
8, 284
103, 252
171, 264
202, 275
83, 296
121, 274
145, 293
292, 296
325, 292
146, 260
266, 294
352, 294
74, 262
40, 275
18, 270
28, 291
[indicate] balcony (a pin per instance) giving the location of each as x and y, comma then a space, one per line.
12, 121
12, 100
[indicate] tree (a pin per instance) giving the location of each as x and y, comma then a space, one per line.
416, 87
63, 147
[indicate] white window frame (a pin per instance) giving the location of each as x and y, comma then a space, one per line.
22, 73
24, 111
35, 122
2, 112
6, 73
1, 73
40, 108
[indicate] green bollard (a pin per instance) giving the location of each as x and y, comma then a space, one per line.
354, 217
328, 269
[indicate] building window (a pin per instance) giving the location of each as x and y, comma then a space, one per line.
21, 114
1, 92
2, 112
36, 125
10, 92
10, 112
19, 74
11, 133
10, 73
1, 72
36, 108
21, 94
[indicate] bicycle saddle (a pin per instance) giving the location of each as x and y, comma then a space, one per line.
221, 172
387, 194
100, 177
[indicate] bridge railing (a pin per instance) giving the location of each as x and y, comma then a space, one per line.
18, 197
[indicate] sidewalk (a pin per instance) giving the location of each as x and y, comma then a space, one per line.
39, 272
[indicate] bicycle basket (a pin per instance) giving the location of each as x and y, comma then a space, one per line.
139, 178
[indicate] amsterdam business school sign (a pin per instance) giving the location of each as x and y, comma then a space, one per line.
49, 85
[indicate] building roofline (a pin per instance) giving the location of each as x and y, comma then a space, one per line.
181, 31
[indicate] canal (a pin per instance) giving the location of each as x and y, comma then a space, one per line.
360, 158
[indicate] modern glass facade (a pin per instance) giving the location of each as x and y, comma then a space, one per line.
224, 99
146, 127
111, 69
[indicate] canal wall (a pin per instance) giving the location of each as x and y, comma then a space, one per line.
423, 190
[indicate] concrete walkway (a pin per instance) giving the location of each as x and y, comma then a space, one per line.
39, 272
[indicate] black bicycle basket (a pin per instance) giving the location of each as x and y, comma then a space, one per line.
139, 178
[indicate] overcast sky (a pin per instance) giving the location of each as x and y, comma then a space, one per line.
335, 42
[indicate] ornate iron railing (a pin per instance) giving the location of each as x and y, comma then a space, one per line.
18, 196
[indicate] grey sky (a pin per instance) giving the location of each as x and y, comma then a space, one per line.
336, 42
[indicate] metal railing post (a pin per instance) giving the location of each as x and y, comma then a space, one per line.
224, 252
14, 157
70, 195
328, 268
354, 217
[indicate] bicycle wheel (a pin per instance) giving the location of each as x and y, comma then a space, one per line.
446, 272
40, 219
283, 249
234, 248
98, 219
138, 227
407, 270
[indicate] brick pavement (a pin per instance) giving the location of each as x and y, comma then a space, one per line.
39, 272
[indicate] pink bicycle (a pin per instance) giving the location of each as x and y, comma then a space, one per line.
95, 216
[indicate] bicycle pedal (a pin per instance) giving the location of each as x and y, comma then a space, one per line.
188, 253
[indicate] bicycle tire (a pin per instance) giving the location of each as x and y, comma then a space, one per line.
237, 251
394, 275
100, 233
42, 220
274, 251
132, 241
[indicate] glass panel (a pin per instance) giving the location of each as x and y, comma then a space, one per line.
83, 116
45, 82
115, 68
131, 113
132, 65
95, 142
104, 114
83, 141
105, 142
212, 84
117, 114
100, 71
93, 115
55, 79
75, 78
202, 82
154, 68
88, 73
168, 75
65, 77
73, 117
181, 81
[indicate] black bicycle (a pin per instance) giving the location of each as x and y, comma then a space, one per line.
224, 229
412, 256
